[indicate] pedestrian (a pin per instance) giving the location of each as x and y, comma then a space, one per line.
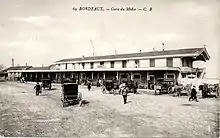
193, 94
124, 92
135, 88
98, 84
37, 88
89, 83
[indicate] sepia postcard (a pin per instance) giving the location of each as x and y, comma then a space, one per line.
109, 68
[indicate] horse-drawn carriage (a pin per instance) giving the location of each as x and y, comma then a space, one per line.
110, 86
46, 83
163, 85
70, 94
209, 90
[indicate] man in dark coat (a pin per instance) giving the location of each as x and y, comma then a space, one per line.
193, 94
124, 91
37, 88
89, 84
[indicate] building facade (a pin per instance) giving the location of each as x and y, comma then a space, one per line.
145, 67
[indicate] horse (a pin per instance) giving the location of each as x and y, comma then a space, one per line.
205, 90
176, 90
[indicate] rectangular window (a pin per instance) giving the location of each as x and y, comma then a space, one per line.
170, 76
91, 65
124, 64
83, 65
169, 62
137, 63
66, 65
137, 76
187, 63
112, 64
102, 63
124, 76
152, 62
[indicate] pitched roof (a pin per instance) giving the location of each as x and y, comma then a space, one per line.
40, 68
143, 54
3, 73
17, 68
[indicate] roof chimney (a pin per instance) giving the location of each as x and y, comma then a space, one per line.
25, 64
82, 57
154, 51
12, 62
115, 52
162, 46
140, 51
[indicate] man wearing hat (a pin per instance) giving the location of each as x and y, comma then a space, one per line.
193, 94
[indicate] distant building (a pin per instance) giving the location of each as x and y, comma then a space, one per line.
144, 67
14, 72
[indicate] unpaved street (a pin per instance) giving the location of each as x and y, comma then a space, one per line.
23, 114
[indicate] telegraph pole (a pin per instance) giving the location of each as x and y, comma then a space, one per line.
93, 48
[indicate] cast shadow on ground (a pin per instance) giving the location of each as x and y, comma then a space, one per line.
44, 94
84, 102
50, 89
187, 104
129, 102
81, 104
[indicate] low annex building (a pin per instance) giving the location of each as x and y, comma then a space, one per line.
145, 67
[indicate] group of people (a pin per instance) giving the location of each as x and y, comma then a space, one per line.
123, 88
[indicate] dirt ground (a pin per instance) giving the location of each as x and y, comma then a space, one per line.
102, 115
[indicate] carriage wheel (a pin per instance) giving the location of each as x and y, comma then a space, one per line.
103, 89
63, 100
169, 90
80, 102
63, 103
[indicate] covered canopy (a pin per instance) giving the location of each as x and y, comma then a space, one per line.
210, 81
2, 73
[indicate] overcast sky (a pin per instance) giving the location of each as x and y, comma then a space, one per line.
43, 31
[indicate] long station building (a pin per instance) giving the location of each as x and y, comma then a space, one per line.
143, 67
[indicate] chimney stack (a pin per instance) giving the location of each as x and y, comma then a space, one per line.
25, 64
140, 51
154, 51
162, 46
12, 62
